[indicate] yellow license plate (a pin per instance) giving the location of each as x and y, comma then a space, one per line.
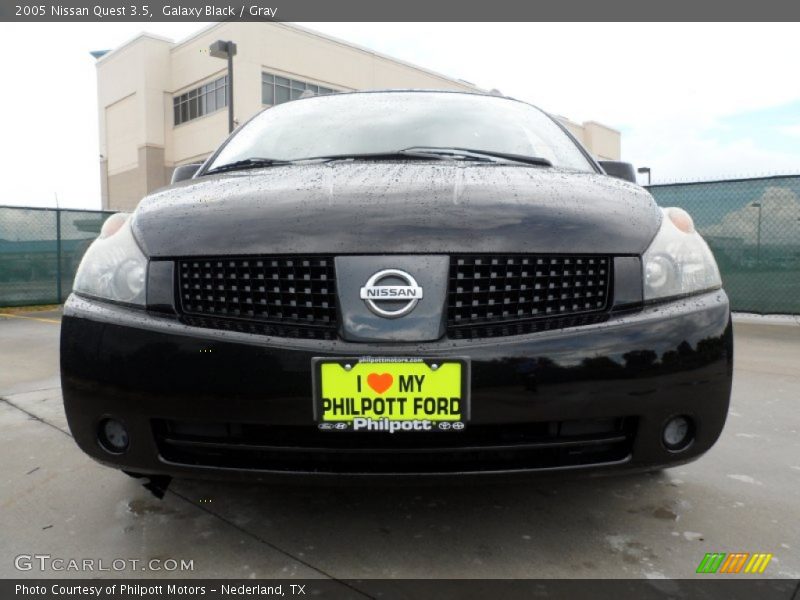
391, 394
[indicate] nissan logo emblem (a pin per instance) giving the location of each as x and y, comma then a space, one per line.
374, 294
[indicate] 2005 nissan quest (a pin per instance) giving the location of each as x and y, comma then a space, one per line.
397, 283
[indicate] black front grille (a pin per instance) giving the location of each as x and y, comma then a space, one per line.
489, 295
493, 289
249, 292
271, 329
501, 329
480, 447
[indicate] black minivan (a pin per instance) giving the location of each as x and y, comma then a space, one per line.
397, 283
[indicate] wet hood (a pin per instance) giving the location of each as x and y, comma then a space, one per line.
397, 207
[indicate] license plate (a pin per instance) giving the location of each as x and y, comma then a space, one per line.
391, 394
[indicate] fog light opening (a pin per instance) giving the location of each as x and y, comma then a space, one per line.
678, 433
113, 436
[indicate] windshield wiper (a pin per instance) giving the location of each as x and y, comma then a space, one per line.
409, 153
248, 163
470, 153
415, 152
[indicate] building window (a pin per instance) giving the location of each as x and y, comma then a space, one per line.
200, 101
277, 90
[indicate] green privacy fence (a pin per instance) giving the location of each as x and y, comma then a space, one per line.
753, 227
40, 250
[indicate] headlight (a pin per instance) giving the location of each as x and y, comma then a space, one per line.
113, 267
678, 261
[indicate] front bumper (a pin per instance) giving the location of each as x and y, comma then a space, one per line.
226, 404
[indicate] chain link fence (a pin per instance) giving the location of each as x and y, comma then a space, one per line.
40, 249
753, 227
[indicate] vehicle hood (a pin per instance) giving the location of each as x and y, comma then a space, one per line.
397, 207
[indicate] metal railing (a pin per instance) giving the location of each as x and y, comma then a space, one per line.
753, 227
40, 250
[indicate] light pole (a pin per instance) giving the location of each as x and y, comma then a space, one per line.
227, 50
758, 234
645, 170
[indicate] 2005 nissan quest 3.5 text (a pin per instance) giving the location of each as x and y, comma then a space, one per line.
397, 283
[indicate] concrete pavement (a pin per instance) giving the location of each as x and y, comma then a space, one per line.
744, 495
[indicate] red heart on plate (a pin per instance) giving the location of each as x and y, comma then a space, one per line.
380, 383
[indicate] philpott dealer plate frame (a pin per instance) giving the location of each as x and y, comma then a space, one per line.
382, 378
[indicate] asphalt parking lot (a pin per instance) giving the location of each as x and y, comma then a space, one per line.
744, 496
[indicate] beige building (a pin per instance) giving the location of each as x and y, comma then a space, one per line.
163, 104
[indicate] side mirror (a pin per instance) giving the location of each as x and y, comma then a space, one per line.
620, 170
184, 172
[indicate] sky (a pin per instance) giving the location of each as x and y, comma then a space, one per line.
693, 101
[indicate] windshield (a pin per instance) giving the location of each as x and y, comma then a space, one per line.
385, 122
